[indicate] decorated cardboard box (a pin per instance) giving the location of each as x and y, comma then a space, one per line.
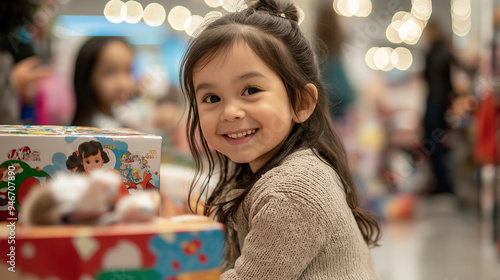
30, 155
164, 250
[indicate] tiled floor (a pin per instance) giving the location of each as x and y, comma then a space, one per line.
441, 243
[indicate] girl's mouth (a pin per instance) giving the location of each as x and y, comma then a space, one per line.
241, 135
240, 138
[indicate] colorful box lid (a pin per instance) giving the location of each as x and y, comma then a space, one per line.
67, 130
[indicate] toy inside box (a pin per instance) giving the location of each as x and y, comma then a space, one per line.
30, 155
164, 250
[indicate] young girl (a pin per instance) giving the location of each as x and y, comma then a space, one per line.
283, 189
102, 77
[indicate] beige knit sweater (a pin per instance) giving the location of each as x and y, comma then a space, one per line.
295, 224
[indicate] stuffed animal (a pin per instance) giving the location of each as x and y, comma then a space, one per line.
93, 198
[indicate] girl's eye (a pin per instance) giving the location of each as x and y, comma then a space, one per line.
97, 161
211, 99
87, 162
251, 91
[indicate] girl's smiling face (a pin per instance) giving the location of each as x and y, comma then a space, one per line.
243, 106
93, 162
112, 77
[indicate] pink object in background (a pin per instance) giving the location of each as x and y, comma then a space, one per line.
54, 101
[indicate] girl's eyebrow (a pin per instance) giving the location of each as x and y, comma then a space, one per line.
250, 75
243, 77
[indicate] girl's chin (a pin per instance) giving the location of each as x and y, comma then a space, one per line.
240, 154
241, 157
237, 160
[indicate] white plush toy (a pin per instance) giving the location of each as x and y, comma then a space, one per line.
88, 199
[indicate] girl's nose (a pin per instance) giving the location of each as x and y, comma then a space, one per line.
232, 112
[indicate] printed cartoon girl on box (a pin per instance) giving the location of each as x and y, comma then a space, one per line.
91, 155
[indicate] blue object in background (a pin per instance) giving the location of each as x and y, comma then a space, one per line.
172, 51
137, 34
153, 44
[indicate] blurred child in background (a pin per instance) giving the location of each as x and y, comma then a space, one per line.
102, 79
169, 118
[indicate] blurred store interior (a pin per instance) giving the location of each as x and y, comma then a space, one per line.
426, 163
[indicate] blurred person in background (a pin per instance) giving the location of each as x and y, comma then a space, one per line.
169, 117
102, 79
341, 94
437, 74
20, 69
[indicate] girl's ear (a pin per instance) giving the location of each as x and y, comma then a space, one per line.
306, 104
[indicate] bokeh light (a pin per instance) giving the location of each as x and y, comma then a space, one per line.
352, 6
134, 12
341, 8
115, 11
399, 16
382, 59
410, 31
409, 26
392, 32
349, 8
422, 9
386, 59
154, 14
195, 23
401, 58
178, 17
370, 58
365, 8
213, 3
461, 9
461, 17
461, 27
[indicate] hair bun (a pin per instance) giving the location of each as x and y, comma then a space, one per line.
281, 8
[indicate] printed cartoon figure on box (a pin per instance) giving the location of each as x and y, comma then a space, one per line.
37, 153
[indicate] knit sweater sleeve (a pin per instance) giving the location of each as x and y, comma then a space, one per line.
286, 234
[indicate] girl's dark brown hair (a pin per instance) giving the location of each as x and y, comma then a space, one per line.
270, 28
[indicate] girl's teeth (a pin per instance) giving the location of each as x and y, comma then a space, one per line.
241, 135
